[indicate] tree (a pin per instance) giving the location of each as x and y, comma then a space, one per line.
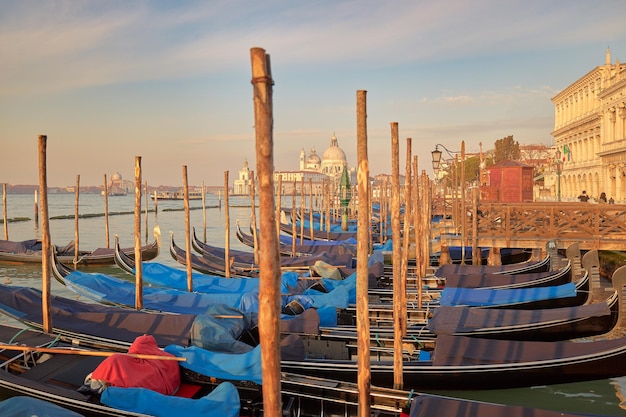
506, 148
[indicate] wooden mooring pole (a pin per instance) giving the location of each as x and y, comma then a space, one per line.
398, 319
269, 288
138, 266
45, 237
364, 378
187, 231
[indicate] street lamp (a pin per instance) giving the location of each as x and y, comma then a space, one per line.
559, 168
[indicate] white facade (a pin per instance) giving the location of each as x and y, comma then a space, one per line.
315, 170
590, 133
243, 185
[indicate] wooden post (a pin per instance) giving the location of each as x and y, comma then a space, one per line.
45, 237
269, 289
364, 378
398, 320
204, 210
329, 199
311, 208
301, 211
463, 205
156, 203
418, 232
106, 211
76, 234
226, 227
188, 267
294, 231
36, 209
426, 221
138, 266
406, 238
4, 209
476, 252
145, 185
255, 236
279, 194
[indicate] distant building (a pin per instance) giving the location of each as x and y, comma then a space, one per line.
508, 182
243, 185
590, 133
315, 171
118, 186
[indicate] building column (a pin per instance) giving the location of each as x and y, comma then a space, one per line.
618, 183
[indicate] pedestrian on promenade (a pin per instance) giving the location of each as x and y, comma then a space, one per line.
583, 197
602, 199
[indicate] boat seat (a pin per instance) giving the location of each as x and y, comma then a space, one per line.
64, 369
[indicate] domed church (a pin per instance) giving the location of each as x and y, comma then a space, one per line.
331, 164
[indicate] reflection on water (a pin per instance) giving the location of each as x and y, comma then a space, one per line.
620, 388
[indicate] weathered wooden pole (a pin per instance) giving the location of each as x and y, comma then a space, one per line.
36, 209
476, 252
408, 206
279, 195
311, 208
426, 221
204, 210
463, 203
329, 200
156, 203
294, 232
106, 211
145, 210
226, 227
269, 289
302, 198
398, 319
418, 230
255, 235
188, 267
45, 237
138, 266
76, 233
5, 212
364, 377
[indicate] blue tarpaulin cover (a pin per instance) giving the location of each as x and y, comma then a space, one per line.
23, 406
223, 401
229, 366
492, 297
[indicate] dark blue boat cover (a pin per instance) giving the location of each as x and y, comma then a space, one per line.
493, 297
22, 406
223, 401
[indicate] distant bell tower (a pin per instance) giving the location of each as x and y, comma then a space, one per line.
302, 158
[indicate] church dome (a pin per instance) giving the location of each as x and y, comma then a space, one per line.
334, 153
313, 158
116, 177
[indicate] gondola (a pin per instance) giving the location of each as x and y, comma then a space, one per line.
303, 247
115, 291
526, 267
41, 366
213, 265
340, 258
29, 251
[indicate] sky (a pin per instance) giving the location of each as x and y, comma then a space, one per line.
169, 81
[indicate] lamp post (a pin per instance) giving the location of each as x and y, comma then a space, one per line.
559, 168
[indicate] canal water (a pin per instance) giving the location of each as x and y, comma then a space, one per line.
603, 397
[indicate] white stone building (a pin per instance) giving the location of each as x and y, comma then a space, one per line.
590, 133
